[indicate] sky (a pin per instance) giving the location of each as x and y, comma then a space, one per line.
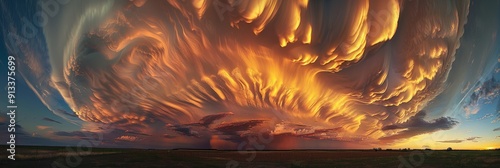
213, 74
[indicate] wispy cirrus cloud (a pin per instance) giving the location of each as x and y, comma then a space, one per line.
51, 120
486, 91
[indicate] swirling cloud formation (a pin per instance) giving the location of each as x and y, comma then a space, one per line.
322, 69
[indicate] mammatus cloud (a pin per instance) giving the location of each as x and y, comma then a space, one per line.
142, 65
416, 125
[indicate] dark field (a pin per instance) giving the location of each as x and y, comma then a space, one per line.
99, 157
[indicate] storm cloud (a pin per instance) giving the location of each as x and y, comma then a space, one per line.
416, 125
176, 68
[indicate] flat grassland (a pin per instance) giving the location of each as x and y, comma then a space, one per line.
30, 156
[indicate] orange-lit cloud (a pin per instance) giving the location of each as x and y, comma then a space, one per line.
333, 70
42, 127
